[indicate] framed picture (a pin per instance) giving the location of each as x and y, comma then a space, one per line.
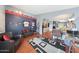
33, 24
26, 24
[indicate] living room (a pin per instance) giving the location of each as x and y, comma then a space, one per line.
39, 29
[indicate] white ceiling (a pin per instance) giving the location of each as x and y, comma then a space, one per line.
40, 9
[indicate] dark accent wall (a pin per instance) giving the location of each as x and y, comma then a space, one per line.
15, 24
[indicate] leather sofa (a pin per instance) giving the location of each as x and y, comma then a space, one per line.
8, 46
26, 32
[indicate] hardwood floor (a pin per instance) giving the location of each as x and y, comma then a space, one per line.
47, 35
25, 46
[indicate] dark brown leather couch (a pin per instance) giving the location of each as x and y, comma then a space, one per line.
8, 46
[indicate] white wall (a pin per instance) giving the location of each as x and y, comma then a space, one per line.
39, 25
2, 19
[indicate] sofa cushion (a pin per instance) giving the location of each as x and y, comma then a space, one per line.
6, 37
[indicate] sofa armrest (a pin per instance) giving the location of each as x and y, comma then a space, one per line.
6, 47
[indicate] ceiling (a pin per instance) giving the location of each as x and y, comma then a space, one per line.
40, 9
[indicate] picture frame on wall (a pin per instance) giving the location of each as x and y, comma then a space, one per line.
26, 24
33, 24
